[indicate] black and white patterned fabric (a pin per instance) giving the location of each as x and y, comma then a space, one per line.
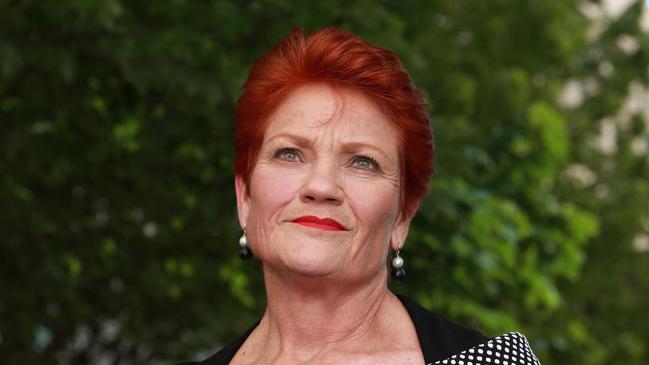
508, 349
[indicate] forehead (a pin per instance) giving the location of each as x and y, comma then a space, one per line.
312, 110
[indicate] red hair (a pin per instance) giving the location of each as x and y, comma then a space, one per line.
345, 61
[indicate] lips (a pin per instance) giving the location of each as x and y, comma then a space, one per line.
326, 224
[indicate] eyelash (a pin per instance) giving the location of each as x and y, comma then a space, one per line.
375, 165
280, 154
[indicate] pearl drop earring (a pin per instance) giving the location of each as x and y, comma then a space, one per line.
398, 273
244, 252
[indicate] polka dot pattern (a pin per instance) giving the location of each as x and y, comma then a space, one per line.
508, 349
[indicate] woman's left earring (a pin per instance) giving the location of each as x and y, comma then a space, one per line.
398, 273
244, 251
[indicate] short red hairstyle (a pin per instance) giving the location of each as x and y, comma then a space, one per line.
344, 61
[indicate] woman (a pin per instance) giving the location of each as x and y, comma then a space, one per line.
333, 156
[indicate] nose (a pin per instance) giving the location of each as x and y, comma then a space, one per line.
322, 185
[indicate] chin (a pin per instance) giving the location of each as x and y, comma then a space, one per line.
311, 260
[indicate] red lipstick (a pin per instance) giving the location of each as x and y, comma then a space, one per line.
326, 224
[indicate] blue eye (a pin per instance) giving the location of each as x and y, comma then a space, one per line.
365, 163
287, 154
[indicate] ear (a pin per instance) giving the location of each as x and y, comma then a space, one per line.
243, 200
400, 232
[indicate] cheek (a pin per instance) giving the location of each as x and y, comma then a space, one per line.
270, 191
375, 205
376, 208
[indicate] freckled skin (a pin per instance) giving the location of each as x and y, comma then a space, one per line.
324, 176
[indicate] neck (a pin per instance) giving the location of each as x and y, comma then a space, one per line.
306, 316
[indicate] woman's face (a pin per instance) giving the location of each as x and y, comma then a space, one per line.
324, 193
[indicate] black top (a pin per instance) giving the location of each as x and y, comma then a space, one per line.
439, 338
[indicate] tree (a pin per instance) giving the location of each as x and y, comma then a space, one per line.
119, 226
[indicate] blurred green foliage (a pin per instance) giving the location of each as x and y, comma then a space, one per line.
119, 232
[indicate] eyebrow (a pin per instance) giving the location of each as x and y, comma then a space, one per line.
347, 147
299, 140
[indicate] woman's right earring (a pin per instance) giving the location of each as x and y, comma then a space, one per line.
398, 273
244, 252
